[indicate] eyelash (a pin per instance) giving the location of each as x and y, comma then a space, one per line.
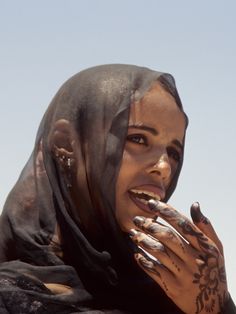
136, 138
173, 153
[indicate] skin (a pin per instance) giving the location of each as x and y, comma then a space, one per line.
149, 159
189, 265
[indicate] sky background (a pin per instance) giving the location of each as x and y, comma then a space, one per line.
43, 43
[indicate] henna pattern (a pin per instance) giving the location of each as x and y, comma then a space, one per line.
139, 221
210, 274
167, 212
152, 245
208, 278
153, 228
197, 215
223, 299
150, 266
175, 265
205, 220
202, 240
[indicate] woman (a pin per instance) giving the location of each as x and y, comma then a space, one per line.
79, 230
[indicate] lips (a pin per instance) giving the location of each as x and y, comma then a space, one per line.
142, 194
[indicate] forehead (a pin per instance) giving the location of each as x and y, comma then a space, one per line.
158, 109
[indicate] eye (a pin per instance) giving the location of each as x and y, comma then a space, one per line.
173, 153
137, 139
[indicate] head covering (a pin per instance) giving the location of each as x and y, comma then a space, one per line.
49, 239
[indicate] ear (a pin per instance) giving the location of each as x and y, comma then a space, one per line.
62, 139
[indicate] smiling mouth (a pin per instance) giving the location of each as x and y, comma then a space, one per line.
144, 196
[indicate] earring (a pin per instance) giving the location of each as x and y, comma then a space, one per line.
68, 183
65, 164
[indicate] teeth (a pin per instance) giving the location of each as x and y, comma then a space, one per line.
150, 194
143, 201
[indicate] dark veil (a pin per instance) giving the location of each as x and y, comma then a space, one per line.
47, 239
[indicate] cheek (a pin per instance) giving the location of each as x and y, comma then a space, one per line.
174, 167
124, 173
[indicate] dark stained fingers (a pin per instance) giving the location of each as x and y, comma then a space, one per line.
166, 236
156, 271
204, 224
184, 226
157, 250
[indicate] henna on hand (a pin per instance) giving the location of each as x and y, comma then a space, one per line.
197, 215
195, 266
209, 276
151, 266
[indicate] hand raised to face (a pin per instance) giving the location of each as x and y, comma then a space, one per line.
185, 261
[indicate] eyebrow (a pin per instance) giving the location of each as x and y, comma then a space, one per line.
145, 128
154, 132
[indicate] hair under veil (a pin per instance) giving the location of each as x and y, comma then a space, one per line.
48, 239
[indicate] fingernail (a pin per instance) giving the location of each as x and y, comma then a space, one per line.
139, 221
153, 205
196, 213
133, 232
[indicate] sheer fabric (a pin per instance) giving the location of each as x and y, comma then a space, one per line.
58, 256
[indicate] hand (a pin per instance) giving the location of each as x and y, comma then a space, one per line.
187, 264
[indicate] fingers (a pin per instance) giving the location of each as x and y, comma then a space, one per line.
183, 226
156, 249
183, 260
205, 225
156, 271
165, 235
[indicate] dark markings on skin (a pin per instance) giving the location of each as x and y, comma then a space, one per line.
165, 286
188, 229
152, 245
205, 221
149, 265
209, 277
222, 274
203, 242
167, 212
197, 215
222, 299
185, 226
153, 228
175, 265
139, 221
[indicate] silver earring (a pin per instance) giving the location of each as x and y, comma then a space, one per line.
68, 183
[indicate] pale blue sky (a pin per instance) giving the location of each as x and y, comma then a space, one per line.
45, 42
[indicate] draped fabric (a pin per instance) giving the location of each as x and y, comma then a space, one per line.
61, 256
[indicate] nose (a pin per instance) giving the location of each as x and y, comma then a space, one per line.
162, 167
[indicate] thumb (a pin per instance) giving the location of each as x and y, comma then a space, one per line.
204, 224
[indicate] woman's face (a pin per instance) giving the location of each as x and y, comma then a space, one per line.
152, 152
